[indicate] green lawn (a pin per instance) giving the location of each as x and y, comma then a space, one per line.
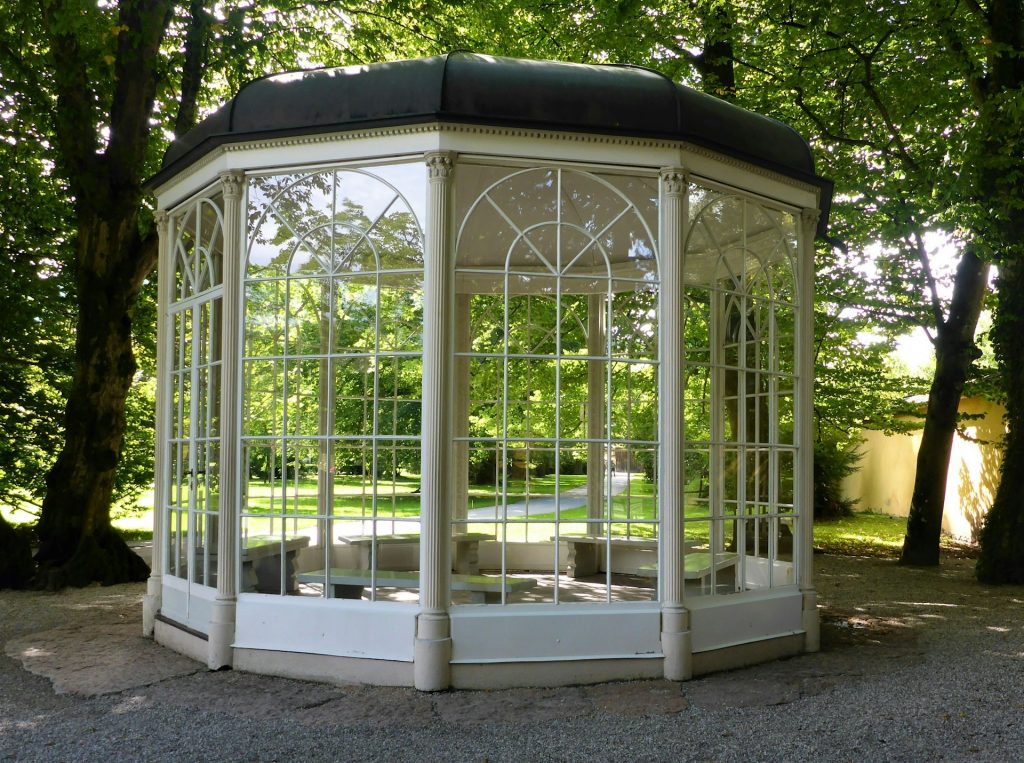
863, 534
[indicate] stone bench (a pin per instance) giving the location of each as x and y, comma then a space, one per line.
697, 566
584, 557
349, 584
261, 562
467, 548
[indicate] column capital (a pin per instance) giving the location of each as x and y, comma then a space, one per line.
231, 183
439, 164
809, 216
162, 220
674, 180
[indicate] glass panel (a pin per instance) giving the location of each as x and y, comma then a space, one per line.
550, 473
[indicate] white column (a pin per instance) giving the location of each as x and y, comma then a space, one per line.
222, 616
433, 647
165, 295
596, 374
676, 643
803, 404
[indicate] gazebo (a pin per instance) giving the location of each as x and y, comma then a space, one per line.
482, 372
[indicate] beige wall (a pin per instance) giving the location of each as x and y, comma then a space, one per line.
885, 480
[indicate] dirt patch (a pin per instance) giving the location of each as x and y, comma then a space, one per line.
875, 615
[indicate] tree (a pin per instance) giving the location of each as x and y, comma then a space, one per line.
991, 58
103, 86
115, 250
872, 84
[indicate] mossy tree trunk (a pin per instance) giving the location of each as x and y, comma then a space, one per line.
104, 169
77, 543
1002, 536
1001, 174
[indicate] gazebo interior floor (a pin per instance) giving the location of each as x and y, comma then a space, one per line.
570, 590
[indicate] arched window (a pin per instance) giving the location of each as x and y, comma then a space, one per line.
332, 368
556, 434
740, 380
193, 452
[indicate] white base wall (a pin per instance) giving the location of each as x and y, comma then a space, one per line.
493, 646
181, 641
493, 675
190, 605
727, 621
334, 627
538, 632
325, 668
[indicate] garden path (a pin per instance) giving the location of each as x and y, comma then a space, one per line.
570, 499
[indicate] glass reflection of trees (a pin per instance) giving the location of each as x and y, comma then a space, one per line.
740, 381
193, 452
559, 279
333, 352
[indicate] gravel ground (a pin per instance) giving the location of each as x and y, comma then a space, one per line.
916, 665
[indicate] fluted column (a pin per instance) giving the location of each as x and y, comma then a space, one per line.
222, 616
675, 619
804, 477
165, 294
433, 629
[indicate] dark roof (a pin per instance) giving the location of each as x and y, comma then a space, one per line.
479, 89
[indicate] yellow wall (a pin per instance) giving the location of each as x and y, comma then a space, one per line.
885, 480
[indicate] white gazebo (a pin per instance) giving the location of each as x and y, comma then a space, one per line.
480, 372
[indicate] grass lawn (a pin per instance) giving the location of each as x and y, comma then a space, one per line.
863, 534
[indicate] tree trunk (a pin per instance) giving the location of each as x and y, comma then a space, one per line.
78, 545
1002, 162
955, 351
1002, 536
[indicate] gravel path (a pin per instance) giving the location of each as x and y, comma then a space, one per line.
916, 666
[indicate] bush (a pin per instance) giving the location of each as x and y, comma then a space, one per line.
16, 565
834, 460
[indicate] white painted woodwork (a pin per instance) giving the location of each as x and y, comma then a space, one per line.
529, 632
339, 627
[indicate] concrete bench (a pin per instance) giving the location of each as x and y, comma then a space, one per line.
584, 557
467, 548
261, 560
349, 584
697, 566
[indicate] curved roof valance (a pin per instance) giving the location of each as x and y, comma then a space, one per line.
473, 88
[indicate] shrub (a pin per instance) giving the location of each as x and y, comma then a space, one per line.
834, 460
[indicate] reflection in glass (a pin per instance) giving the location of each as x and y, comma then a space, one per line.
333, 375
740, 360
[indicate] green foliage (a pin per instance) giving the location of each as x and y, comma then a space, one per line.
835, 459
886, 96
36, 330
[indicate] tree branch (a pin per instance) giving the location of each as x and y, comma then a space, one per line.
75, 115
977, 81
142, 24
933, 288
196, 46
148, 252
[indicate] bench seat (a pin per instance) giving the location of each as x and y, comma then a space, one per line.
697, 565
466, 559
349, 583
584, 557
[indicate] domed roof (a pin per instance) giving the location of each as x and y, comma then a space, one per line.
479, 89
